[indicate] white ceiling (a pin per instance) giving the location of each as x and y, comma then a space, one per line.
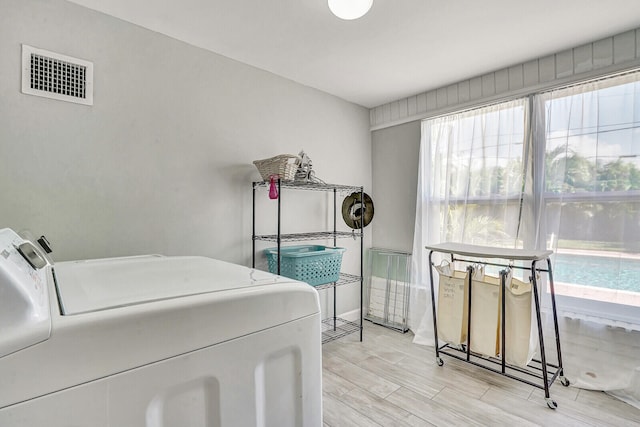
400, 48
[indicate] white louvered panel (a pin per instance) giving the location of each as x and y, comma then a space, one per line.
402, 107
516, 77
396, 306
377, 299
378, 283
432, 101
395, 111
547, 68
622, 50
564, 64
412, 105
376, 303
603, 53
475, 88
489, 84
441, 97
379, 114
386, 288
452, 95
531, 73
624, 47
463, 91
421, 101
386, 112
502, 80
583, 58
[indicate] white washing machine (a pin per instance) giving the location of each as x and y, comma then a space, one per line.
154, 341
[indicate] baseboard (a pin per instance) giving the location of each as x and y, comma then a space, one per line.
352, 316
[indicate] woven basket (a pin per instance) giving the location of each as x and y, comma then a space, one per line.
283, 166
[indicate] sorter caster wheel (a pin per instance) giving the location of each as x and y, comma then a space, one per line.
565, 381
551, 403
439, 361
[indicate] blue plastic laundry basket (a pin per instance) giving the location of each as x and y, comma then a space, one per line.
314, 264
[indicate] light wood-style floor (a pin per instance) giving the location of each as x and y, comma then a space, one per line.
388, 381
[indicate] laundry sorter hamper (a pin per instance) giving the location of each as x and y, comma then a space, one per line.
453, 299
505, 347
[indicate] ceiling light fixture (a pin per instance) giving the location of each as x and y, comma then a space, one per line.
350, 9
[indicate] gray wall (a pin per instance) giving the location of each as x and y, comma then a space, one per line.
395, 152
162, 162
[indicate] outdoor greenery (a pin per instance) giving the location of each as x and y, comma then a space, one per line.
469, 224
565, 172
568, 172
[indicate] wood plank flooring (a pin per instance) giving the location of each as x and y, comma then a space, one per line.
386, 380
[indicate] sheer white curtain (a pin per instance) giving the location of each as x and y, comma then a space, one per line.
470, 189
588, 141
568, 180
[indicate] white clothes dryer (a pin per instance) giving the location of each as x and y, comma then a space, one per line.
154, 341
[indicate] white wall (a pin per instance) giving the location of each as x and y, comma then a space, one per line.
162, 162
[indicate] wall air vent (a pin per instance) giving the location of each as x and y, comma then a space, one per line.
56, 76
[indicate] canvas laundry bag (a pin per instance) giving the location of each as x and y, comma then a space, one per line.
521, 336
485, 313
453, 300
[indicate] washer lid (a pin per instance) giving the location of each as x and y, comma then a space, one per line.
102, 284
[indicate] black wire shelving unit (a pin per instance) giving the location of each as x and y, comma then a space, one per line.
333, 327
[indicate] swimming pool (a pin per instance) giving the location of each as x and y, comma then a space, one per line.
597, 271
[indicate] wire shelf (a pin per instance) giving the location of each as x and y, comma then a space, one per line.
319, 235
315, 186
343, 280
340, 328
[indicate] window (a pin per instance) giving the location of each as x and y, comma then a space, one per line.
563, 174
591, 193
477, 172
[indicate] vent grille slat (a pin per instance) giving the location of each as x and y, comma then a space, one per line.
56, 76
